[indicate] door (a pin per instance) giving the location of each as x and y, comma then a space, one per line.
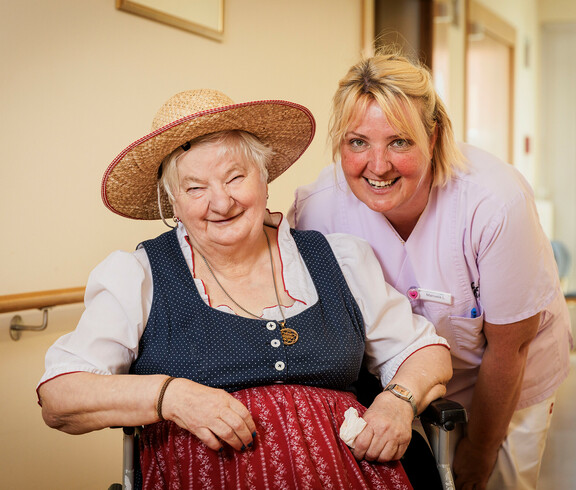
489, 82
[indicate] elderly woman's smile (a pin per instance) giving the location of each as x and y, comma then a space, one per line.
221, 197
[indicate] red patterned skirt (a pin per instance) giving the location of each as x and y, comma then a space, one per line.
297, 447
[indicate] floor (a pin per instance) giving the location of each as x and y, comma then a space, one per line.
558, 469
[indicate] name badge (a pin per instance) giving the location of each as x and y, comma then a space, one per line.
429, 295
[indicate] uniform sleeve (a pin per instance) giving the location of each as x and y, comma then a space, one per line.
311, 202
105, 341
393, 332
307, 215
518, 275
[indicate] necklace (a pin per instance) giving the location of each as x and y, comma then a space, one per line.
289, 335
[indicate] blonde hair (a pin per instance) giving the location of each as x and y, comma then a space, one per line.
404, 91
234, 142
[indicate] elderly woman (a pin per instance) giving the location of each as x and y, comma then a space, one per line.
233, 339
459, 235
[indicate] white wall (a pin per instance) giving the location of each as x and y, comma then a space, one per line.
80, 81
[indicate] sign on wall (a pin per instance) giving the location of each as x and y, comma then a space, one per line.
203, 17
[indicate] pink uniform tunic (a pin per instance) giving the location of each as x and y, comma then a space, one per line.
477, 253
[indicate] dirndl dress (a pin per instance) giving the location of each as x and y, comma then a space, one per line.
297, 446
297, 395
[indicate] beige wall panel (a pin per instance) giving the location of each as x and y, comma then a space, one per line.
557, 10
80, 81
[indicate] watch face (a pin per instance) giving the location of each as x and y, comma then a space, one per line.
402, 391
404, 394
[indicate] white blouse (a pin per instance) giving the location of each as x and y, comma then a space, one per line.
119, 294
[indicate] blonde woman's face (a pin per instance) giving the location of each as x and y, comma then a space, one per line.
390, 174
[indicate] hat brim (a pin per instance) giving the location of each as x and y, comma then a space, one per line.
129, 185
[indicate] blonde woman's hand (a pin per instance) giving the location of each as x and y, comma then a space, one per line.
473, 465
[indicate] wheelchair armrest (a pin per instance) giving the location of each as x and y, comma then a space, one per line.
438, 419
444, 413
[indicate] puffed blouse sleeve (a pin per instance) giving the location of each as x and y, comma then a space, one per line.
393, 332
117, 299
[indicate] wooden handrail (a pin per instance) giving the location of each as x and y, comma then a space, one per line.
41, 299
56, 297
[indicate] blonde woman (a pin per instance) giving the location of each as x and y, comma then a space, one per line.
456, 231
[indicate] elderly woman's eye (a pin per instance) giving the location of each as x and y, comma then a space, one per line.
236, 178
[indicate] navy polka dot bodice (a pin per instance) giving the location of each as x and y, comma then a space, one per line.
186, 338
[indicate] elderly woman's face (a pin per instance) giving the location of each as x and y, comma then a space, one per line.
221, 199
389, 174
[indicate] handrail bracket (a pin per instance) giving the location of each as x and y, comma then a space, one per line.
16, 327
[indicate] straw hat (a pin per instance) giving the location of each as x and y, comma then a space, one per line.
129, 186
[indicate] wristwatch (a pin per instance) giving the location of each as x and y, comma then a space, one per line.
404, 394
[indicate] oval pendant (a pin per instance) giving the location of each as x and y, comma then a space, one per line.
289, 336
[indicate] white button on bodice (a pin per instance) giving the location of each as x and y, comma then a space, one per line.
275, 343
271, 326
280, 366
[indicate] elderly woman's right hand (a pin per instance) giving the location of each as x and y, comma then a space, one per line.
388, 430
211, 414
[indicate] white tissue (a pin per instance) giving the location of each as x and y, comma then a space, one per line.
351, 427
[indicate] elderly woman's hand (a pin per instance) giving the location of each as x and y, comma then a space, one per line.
388, 430
212, 415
